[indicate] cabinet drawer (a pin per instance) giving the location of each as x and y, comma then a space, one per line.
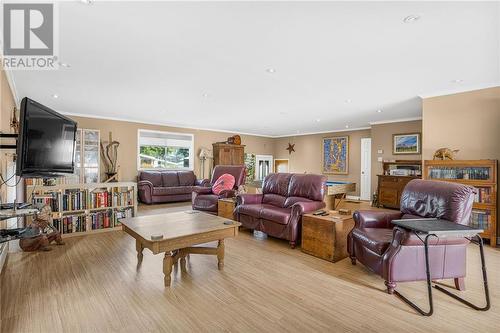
389, 196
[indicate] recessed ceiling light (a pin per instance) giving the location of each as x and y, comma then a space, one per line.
318, 120
271, 70
411, 18
86, 2
205, 95
379, 111
346, 126
348, 101
55, 95
64, 64
457, 81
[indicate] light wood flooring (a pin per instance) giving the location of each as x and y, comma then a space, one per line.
93, 284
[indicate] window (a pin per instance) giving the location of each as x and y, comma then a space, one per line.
165, 150
87, 157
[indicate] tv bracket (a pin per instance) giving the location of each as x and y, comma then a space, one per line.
8, 136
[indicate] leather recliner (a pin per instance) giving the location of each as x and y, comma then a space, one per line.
204, 199
278, 210
397, 255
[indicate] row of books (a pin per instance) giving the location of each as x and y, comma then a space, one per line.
95, 221
483, 195
71, 200
72, 179
481, 219
479, 173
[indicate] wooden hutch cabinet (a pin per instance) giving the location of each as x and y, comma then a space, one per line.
228, 154
482, 174
394, 179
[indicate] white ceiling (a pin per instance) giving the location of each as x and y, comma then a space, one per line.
205, 65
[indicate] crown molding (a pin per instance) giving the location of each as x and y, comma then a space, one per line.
323, 132
161, 124
400, 120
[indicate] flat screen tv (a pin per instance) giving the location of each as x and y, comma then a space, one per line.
46, 142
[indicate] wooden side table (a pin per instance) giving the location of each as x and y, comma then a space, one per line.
326, 236
225, 208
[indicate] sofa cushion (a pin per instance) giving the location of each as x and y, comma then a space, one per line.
276, 183
375, 239
153, 176
186, 178
170, 178
274, 199
251, 210
292, 200
172, 190
275, 214
307, 186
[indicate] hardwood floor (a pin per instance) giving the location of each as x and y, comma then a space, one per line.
93, 284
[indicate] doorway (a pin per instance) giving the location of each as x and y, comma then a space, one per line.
366, 162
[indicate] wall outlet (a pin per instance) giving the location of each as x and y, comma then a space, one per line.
380, 151
380, 159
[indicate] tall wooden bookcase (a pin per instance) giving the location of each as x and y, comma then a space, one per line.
482, 174
79, 209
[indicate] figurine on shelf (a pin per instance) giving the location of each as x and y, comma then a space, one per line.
445, 153
46, 232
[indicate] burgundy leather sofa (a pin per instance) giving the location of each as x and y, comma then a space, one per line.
205, 200
278, 210
167, 186
398, 255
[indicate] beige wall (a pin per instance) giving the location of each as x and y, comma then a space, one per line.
382, 139
467, 121
126, 133
308, 150
6, 105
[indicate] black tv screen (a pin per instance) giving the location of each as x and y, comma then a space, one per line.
46, 142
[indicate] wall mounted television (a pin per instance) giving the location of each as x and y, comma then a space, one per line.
46, 142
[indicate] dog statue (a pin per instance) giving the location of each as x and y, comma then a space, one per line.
445, 153
42, 223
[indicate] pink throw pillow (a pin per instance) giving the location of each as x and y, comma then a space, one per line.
224, 182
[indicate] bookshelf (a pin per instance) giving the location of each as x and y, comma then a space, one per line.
482, 174
79, 209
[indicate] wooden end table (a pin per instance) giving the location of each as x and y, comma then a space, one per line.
326, 236
180, 232
225, 208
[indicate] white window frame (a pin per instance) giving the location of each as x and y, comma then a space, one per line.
191, 149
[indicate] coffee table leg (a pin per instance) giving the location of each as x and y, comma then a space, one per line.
220, 254
168, 262
139, 248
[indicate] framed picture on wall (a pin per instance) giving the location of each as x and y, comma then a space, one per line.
408, 143
335, 155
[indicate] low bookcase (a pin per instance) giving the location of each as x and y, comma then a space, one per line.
482, 174
79, 209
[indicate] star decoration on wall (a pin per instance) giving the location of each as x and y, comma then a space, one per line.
291, 148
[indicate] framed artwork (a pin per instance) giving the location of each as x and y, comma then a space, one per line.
335, 155
406, 143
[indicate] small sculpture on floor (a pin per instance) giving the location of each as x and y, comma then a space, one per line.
445, 153
42, 223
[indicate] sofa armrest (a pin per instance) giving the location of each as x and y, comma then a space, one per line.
145, 191
202, 190
375, 218
202, 182
248, 199
305, 207
145, 184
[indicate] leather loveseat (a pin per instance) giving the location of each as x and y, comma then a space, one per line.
397, 255
167, 186
278, 210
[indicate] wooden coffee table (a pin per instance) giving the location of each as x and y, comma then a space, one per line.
179, 233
